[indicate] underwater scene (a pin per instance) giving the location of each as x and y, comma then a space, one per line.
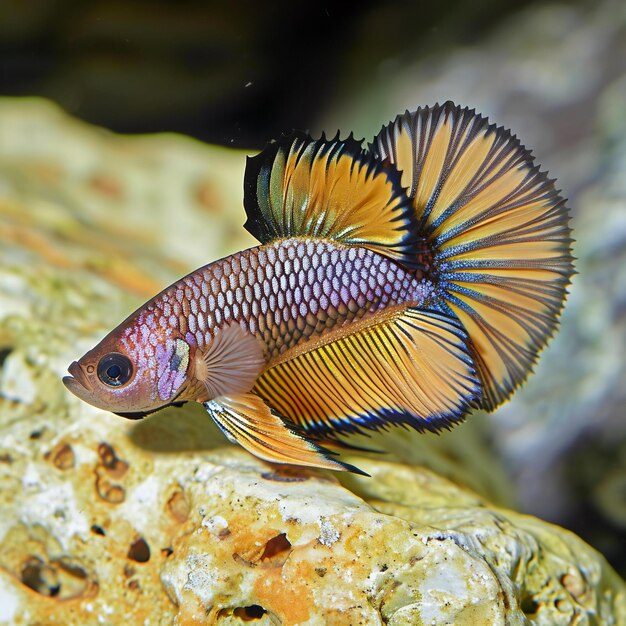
313, 314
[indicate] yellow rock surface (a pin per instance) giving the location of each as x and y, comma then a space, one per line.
106, 521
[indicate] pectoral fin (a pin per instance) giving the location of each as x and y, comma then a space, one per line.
245, 419
230, 363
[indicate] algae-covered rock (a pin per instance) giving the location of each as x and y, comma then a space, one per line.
107, 521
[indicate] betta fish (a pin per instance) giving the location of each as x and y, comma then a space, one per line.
406, 283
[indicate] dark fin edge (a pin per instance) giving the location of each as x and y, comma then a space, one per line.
491, 400
320, 445
260, 229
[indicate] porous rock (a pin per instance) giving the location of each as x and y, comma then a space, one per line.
106, 521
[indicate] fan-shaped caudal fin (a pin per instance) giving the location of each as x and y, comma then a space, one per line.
497, 230
407, 366
245, 419
298, 187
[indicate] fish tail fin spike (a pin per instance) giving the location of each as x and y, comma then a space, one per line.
497, 232
329, 189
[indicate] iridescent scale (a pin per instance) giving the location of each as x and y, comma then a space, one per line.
283, 293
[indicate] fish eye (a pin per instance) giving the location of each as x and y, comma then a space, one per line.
115, 369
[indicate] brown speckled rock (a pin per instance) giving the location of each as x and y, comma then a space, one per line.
101, 530
107, 521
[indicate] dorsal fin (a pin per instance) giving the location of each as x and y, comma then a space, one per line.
299, 187
497, 230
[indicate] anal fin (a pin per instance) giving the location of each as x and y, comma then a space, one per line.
245, 419
408, 366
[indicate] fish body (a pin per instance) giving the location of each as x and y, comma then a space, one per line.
283, 293
369, 302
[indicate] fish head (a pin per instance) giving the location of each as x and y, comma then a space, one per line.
132, 373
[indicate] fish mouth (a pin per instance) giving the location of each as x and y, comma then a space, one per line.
80, 385
77, 380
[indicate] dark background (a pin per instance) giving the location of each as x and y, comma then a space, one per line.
233, 73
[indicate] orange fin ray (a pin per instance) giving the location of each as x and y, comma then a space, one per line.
411, 367
498, 233
245, 419
298, 187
